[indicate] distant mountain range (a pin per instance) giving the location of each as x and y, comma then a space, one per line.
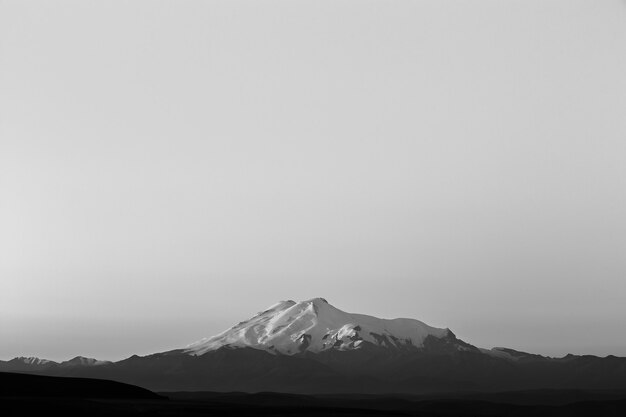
32, 363
313, 347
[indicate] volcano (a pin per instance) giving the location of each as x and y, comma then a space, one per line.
315, 326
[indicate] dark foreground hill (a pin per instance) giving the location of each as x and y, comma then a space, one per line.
38, 386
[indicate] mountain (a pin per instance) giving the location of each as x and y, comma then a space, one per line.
314, 325
82, 361
313, 347
29, 363
33, 364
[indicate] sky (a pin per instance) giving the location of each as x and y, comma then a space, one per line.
170, 168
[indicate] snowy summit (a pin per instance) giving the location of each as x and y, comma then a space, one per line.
314, 325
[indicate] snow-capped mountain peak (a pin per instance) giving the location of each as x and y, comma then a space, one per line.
314, 325
32, 360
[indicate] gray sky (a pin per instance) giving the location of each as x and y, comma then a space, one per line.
169, 168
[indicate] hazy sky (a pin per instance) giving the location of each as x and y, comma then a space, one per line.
170, 168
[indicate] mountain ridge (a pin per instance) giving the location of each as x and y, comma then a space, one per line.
313, 347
